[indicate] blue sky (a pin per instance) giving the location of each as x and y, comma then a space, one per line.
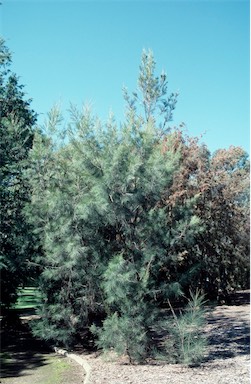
86, 51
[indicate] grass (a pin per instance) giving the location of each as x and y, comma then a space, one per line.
54, 370
32, 368
28, 298
57, 368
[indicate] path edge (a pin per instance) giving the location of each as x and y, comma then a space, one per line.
78, 360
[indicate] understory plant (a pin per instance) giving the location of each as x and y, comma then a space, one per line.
186, 342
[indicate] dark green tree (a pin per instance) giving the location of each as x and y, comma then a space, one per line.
67, 213
17, 121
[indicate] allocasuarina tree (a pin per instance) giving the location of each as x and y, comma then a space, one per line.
111, 244
130, 217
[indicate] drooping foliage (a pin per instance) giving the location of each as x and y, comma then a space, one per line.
17, 121
110, 241
185, 342
130, 217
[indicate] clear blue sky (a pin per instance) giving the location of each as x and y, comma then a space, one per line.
81, 51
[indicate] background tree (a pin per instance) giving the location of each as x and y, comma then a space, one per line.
224, 207
16, 135
219, 260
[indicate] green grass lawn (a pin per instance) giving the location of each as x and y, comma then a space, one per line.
28, 298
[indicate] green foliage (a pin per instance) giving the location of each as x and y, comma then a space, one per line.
16, 135
97, 205
123, 335
57, 325
186, 343
152, 94
130, 312
129, 218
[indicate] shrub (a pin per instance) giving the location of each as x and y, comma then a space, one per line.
185, 342
123, 335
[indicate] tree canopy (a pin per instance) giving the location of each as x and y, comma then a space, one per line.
17, 121
133, 216
120, 220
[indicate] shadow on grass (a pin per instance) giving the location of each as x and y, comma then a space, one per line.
19, 350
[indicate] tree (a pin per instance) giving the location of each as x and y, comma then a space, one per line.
68, 219
17, 120
109, 240
225, 209
131, 218
219, 258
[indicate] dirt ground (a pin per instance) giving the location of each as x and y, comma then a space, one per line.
227, 360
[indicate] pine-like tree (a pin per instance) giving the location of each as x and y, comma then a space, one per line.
17, 121
110, 241
129, 218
